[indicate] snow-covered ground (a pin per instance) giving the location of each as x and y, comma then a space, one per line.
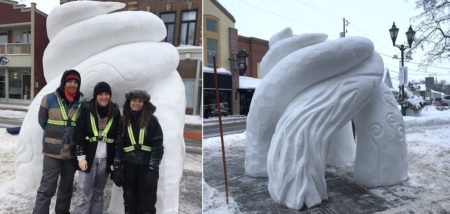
11, 203
426, 190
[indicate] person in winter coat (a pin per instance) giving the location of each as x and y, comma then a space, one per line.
140, 152
58, 115
95, 136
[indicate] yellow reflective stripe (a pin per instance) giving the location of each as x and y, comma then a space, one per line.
128, 149
108, 126
141, 136
131, 135
133, 140
93, 126
64, 114
75, 115
61, 108
57, 122
146, 148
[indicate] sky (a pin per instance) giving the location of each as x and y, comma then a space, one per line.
43, 5
371, 19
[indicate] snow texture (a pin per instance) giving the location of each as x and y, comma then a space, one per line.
134, 58
324, 86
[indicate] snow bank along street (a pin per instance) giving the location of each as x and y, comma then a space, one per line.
426, 189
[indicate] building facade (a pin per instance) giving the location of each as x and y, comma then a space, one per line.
183, 22
221, 41
255, 50
23, 38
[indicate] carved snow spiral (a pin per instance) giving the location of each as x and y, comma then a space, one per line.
123, 49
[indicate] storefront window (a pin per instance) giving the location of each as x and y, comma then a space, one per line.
19, 84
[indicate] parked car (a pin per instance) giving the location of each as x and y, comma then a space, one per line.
446, 100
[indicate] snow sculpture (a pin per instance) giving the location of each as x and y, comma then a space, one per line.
324, 85
123, 49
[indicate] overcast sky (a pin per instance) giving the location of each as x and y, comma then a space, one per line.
371, 19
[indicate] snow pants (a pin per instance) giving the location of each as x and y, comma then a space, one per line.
139, 189
52, 169
92, 186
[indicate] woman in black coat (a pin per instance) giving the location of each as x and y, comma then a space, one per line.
139, 152
95, 136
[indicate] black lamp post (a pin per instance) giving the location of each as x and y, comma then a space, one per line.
242, 61
410, 38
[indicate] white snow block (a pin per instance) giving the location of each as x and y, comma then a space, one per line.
381, 152
135, 62
323, 85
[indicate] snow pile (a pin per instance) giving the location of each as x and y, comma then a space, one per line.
215, 201
415, 102
430, 116
248, 82
219, 70
193, 119
11, 114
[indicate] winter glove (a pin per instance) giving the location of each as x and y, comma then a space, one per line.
117, 174
153, 166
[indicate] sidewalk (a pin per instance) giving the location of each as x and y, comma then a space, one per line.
426, 190
16, 107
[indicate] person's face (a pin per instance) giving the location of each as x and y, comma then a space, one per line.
136, 104
72, 86
103, 99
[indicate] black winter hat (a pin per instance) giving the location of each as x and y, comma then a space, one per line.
140, 94
68, 75
102, 87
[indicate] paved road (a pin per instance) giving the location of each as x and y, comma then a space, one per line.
230, 125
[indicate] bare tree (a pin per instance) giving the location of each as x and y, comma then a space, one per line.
433, 30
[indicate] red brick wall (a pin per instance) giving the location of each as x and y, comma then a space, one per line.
41, 42
256, 49
8, 15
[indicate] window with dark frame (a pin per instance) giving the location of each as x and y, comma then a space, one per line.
169, 21
188, 25
212, 48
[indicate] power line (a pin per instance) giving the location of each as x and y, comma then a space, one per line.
283, 17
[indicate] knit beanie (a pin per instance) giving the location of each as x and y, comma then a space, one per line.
102, 87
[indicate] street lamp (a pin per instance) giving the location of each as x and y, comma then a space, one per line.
242, 56
410, 38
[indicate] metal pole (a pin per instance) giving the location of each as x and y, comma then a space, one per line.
221, 130
402, 49
343, 25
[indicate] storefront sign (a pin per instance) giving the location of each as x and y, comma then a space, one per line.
3, 60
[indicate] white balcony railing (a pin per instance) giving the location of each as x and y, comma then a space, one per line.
15, 48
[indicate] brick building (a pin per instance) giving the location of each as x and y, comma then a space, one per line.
183, 22
255, 49
23, 38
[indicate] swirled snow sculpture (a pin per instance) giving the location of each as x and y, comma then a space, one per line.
324, 84
123, 49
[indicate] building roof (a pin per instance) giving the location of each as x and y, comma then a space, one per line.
254, 40
23, 7
225, 11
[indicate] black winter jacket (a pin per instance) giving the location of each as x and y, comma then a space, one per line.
83, 129
153, 137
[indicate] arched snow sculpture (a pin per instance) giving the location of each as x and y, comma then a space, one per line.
123, 49
324, 84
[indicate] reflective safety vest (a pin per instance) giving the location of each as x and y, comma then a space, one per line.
66, 121
103, 137
140, 144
